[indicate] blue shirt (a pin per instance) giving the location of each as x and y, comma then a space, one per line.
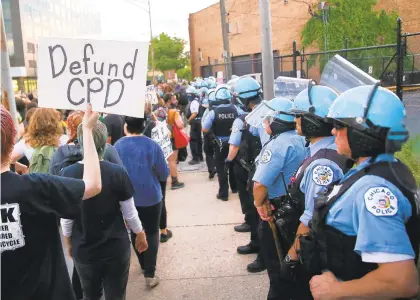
318, 175
146, 166
374, 210
208, 121
284, 153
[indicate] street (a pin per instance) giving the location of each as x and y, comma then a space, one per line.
200, 261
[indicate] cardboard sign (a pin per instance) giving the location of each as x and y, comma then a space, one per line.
160, 134
109, 74
151, 96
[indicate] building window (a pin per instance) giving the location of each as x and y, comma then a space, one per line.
31, 48
32, 63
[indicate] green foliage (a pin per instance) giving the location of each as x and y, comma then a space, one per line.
168, 53
410, 155
363, 26
185, 73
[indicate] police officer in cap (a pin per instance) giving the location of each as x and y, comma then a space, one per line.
366, 228
220, 121
279, 158
208, 147
194, 114
244, 147
322, 166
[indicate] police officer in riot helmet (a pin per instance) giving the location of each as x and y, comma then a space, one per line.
220, 121
321, 167
207, 142
278, 160
366, 228
244, 147
194, 115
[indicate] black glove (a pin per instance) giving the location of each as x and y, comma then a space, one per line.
288, 268
228, 163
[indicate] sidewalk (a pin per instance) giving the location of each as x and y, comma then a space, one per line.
200, 262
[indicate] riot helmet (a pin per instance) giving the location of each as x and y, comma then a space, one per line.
247, 91
279, 119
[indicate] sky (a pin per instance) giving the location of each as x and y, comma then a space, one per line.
129, 20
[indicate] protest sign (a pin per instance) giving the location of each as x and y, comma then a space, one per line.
151, 96
160, 134
111, 75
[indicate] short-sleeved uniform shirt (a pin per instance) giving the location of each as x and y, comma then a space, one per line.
207, 122
32, 259
283, 153
99, 232
320, 174
374, 210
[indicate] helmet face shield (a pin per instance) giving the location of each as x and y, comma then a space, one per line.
256, 117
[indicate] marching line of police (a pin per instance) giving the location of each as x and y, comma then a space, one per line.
331, 212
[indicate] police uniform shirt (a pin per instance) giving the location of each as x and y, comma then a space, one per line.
375, 211
284, 153
194, 106
317, 176
32, 259
208, 121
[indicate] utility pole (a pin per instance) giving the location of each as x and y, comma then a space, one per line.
6, 78
267, 49
226, 53
151, 44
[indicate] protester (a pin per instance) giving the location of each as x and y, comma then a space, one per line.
33, 264
146, 166
44, 129
97, 240
173, 119
115, 127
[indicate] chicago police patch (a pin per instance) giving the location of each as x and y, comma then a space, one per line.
266, 156
235, 129
322, 175
380, 201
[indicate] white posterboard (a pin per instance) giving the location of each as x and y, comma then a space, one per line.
160, 134
111, 75
151, 96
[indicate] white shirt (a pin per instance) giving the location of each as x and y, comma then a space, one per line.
23, 149
194, 106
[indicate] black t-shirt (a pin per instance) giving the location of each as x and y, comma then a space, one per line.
99, 232
32, 259
115, 127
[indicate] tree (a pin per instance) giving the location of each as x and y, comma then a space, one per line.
168, 53
357, 21
185, 73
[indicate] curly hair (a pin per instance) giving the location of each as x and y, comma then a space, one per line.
44, 128
73, 121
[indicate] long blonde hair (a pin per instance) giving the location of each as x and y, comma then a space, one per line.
44, 128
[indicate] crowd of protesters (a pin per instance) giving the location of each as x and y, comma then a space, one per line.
55, 159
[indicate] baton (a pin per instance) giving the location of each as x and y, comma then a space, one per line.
275, 234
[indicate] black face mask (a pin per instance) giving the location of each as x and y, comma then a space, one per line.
278, 126
173, 105
315, 127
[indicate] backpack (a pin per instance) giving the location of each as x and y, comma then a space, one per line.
41, 158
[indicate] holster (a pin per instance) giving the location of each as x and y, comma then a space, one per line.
287, 217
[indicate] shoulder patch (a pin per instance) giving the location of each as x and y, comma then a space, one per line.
235, 129
11, 229
322, 175
380, 201
266, 156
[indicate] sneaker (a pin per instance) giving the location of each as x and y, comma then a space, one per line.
193, 162
151, 282
177, 185
212, 174
242, 228
221, 198
165, 237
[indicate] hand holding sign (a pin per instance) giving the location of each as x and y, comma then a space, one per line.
108, 74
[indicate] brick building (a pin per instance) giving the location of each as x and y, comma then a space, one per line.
288, 19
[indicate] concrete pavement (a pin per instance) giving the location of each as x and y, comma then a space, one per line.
200, 262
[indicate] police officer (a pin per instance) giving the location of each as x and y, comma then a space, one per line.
279, 158
195, 113
244, 147
209, 104
366, 227
220, 121
322, 166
